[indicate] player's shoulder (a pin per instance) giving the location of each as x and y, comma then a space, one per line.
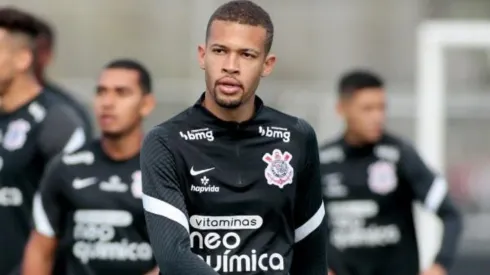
39, 109
390, 139
84, 156
177, 121
52, 106
331, 151
278, 120
392, 146
165, 131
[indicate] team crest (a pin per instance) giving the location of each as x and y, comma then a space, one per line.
382, 177
16, 134
136, 185
279, 171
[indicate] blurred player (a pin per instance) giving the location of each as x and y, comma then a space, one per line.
45, 43
232, 186
34, 127
89, 206
370, 180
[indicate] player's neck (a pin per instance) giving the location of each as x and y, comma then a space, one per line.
353, 139
123, 148
22, 90
240, 114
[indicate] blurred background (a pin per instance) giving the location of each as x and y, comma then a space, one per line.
315, 40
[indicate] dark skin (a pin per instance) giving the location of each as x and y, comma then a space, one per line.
17, 82
44, 56
234, 59
364, 113
120, 106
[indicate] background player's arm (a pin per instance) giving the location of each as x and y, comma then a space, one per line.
40, 250
165, 210
309, 256
432, 191
154, 271
62, 131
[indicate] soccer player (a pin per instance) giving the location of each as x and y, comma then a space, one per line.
89, 205
45, 43
34, 127
232, 186
370, 180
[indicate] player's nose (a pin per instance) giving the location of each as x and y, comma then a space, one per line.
231, 65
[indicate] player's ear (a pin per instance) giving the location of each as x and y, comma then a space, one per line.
201, 53
24, 60
148, 105
269, 63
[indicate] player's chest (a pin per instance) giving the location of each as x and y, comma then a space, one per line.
360, 178
262, 173
105, 188
18, 146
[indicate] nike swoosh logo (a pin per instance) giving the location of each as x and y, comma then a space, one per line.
195, 173
83, 183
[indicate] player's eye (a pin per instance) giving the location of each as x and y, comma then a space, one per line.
100, 91
218, 51
123, 92
248, 55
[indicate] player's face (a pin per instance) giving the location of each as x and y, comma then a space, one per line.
234, 60
120, 103
7, 57
364, 113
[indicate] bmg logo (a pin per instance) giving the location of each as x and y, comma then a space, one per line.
198, 134
275, 132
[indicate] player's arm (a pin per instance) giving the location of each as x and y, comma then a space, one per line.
40, 250
309, 254
335, 262
62, 131
154, 271
165, 209
432, 190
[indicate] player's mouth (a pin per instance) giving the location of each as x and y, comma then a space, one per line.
106, 119
229, 86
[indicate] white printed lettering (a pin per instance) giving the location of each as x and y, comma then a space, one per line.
198, 134
275, 132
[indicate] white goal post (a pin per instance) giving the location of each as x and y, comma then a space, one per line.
433, 38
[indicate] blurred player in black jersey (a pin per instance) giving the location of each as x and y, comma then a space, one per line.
89, 205
34, 127
45, 43
370, 180
232, 186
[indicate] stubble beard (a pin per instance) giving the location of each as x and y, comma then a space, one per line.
226, 103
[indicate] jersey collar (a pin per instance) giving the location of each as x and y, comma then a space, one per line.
212, 119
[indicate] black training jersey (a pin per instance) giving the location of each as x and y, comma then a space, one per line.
67, 98
234, 198
92, 204
369, 193
29, 138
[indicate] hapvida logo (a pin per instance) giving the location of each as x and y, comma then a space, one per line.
204, 187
